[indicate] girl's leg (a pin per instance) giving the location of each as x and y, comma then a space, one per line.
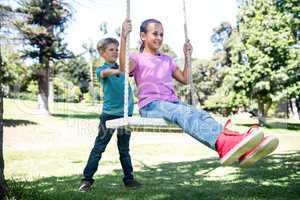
230, 145
196, 122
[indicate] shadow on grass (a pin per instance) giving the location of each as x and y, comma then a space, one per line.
78, 116
17, 122
276, 177
278, 125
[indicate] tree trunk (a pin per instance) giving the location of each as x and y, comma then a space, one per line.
293, 110
298, 106
3, 187
51, 92
51, 85
43, 85
261, 113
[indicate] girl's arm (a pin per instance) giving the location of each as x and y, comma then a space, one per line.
126, 29
183, 76
109, 72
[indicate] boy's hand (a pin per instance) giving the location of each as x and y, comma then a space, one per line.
126, 27
116, 71
187, 48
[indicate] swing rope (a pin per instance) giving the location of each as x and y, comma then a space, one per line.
191, 99
141, 123
126, 68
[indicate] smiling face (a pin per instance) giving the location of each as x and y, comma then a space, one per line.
153, 38
110, 54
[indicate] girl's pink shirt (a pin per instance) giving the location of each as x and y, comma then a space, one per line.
153, 75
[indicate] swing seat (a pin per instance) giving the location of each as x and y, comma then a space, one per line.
143, 124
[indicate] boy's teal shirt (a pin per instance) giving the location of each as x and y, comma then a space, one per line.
113, 90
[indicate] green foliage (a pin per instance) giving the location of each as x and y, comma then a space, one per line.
41, 24
264, 55
87, 98
75, 70
16, 72
33, 87
23, 96
43, 28
167, 50
66, 91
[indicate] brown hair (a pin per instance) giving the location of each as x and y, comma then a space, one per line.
143, 29
102, 44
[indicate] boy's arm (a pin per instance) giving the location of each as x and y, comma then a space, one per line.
109, 72
126, 29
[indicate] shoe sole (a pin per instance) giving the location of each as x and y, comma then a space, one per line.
249, 142
264, 149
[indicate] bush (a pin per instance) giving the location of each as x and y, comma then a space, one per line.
23, 96
65, 91
33, 87
88, 97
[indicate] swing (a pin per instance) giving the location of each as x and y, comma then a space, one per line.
143, 124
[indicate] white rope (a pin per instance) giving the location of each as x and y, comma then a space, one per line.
188, 60
126, 67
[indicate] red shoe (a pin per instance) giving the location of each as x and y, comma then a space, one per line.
267, 146
231, 145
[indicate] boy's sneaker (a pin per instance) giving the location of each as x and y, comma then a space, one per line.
267, 146
231, 145
86, 186
133, 184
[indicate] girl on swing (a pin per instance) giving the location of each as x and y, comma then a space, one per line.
153, 73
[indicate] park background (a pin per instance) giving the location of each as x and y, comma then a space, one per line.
50, 99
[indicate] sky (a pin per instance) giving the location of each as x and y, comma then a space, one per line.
202, 17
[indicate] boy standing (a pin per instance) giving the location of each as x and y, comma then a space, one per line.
112, 81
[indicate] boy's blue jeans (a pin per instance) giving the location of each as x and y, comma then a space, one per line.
103, 138
196, 122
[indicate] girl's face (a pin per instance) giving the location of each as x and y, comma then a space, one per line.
153, 39
110, 54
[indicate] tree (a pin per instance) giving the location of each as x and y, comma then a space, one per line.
42, 27
263, 66
291, 9
3, 187
208, 75
229, 50
5, 77
75, 70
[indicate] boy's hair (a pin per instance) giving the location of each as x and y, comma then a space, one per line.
102, 44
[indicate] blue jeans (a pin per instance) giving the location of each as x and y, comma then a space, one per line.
103, 138
196, 122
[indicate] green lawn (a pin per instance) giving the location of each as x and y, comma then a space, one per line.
45, 156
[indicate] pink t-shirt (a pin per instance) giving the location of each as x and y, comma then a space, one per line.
153, 77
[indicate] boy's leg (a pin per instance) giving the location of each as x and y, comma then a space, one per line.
103, 138
123, 146
125, 159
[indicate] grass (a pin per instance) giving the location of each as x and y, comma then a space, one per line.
275, 178
45, 156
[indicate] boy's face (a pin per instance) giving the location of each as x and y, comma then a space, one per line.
110, 54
